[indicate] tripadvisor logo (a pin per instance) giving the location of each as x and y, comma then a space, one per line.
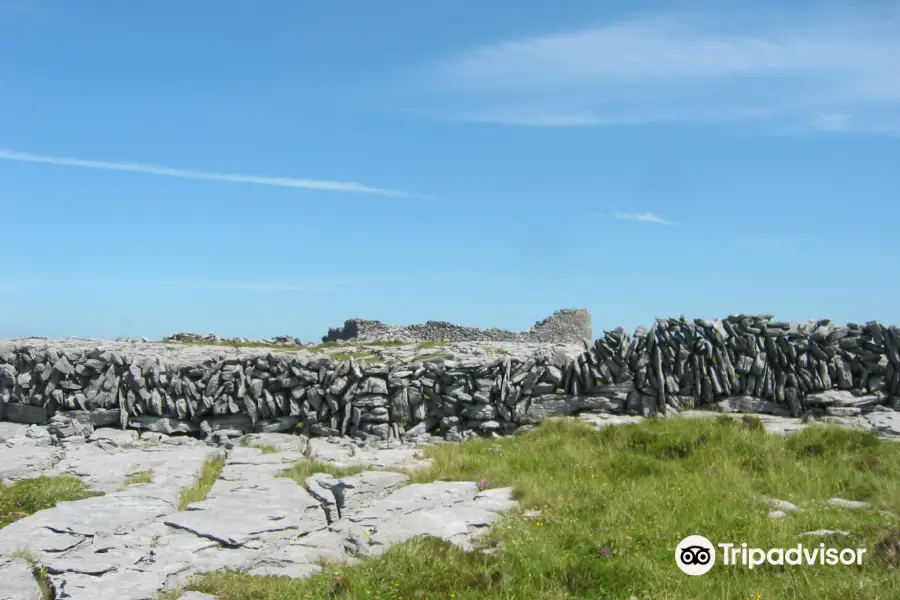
696, 555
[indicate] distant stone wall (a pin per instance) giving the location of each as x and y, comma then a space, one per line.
745, 363
571, 325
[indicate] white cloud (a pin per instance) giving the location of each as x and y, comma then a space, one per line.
684, 69
645, 217
310, 184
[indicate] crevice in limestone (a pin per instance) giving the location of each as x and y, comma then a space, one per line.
42, 577
207, 536
40, 574
324, 504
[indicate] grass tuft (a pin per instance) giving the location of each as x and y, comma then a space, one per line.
234, 344
431, 344
29, 496
362, 356
40, 574
140, 477
307, 467
208, 476
264, 448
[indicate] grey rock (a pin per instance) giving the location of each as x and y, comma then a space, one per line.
843, 503
165, 425
781, 505
25, 413
115, 437
17, 581
825, 533
751, 405
844, 398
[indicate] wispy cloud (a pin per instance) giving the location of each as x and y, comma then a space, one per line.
644, 217
833, 72
290, 182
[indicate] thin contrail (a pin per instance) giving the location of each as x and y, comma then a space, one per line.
310, 184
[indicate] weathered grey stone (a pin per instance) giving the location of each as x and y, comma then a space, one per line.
164, 425
25, 413
844, 398
749, 404
98, 417
782, 505
17, 581
241, 422
542, 407
277, 425
842, 503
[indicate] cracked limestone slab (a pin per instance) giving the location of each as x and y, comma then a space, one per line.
453, 511
351, 494
885, 423
299, 558
11, 430
102, 516
26, 461
344, 454
130, 544
107, 468
283, 442
249, 501
17, 581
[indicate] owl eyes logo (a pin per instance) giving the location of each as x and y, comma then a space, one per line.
695, 555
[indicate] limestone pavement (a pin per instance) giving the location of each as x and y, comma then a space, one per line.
134, 541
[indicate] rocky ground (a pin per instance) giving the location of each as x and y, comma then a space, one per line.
195, 352
134, 541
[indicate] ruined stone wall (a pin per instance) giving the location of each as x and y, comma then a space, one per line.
744, 363
571, 325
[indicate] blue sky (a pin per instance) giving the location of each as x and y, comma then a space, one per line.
220, 166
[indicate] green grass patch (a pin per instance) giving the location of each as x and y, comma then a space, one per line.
208, 476
230, 344
614, 505
431, 344
431, 356
29, 496
306, 467
325, 346
264, 448
140, 477
362, 356
40, 574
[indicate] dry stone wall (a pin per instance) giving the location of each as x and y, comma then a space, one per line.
746, 363
567, 325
